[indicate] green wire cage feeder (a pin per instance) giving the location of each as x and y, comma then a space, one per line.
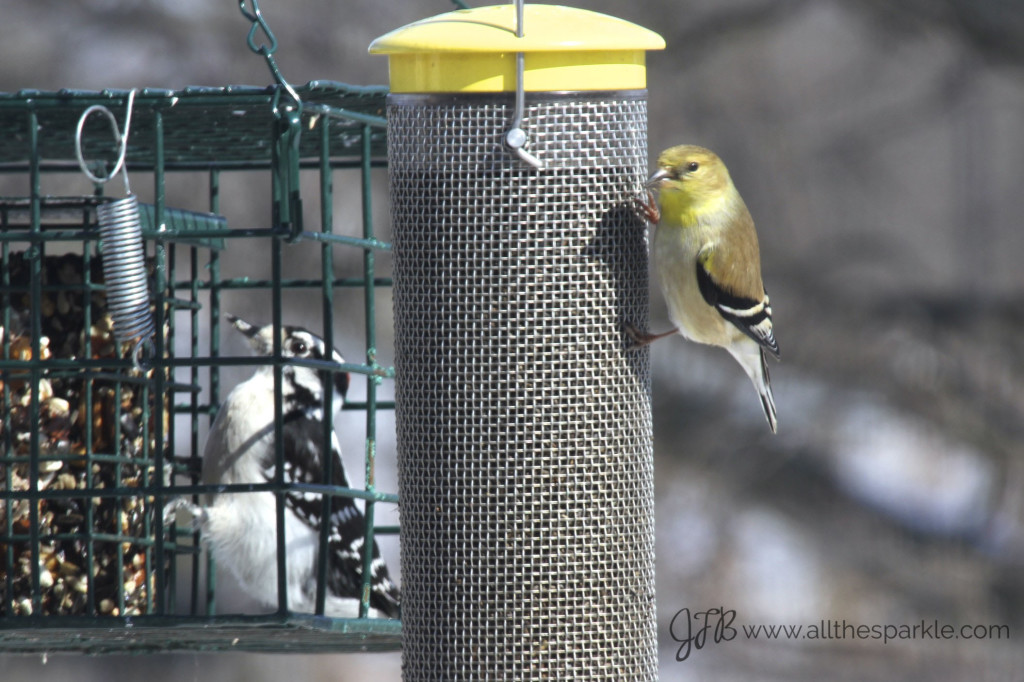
101, 431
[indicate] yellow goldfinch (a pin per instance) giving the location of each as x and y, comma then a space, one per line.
706, 255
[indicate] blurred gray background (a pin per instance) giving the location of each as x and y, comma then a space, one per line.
878, 144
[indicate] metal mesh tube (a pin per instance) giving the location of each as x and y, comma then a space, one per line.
524, 422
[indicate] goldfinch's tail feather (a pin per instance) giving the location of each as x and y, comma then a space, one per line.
752, 359
764, 390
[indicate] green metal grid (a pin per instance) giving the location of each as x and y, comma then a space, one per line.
209, 132
233, 134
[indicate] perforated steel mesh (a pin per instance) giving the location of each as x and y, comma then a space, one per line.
524, 424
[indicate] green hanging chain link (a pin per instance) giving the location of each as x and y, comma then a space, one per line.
267, 49
288, 131
261, 41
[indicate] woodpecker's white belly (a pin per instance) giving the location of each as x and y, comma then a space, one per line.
241, 528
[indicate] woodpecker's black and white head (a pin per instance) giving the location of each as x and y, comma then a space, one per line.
306, 383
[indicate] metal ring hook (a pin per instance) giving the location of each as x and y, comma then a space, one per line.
122, 139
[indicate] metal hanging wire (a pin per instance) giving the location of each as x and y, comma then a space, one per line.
516, 138
124, 258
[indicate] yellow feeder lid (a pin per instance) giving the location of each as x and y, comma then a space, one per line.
474, 50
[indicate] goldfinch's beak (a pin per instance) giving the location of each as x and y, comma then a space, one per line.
656, 179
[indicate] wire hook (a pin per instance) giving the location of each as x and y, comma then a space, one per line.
122, 139
516, 137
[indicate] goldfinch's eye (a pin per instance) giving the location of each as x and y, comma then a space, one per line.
692, 166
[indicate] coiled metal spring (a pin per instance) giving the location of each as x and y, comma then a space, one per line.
124, 258
124, 269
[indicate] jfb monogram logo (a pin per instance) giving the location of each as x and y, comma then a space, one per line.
692, 630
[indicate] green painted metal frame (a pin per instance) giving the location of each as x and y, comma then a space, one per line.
212, 131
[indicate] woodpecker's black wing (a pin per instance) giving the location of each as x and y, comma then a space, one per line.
303, 438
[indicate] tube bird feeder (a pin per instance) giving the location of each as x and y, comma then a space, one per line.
517, 139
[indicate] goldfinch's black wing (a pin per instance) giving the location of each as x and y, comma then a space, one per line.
752, 317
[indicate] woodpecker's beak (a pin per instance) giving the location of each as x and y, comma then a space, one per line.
251, 333
241, 325
655, 180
